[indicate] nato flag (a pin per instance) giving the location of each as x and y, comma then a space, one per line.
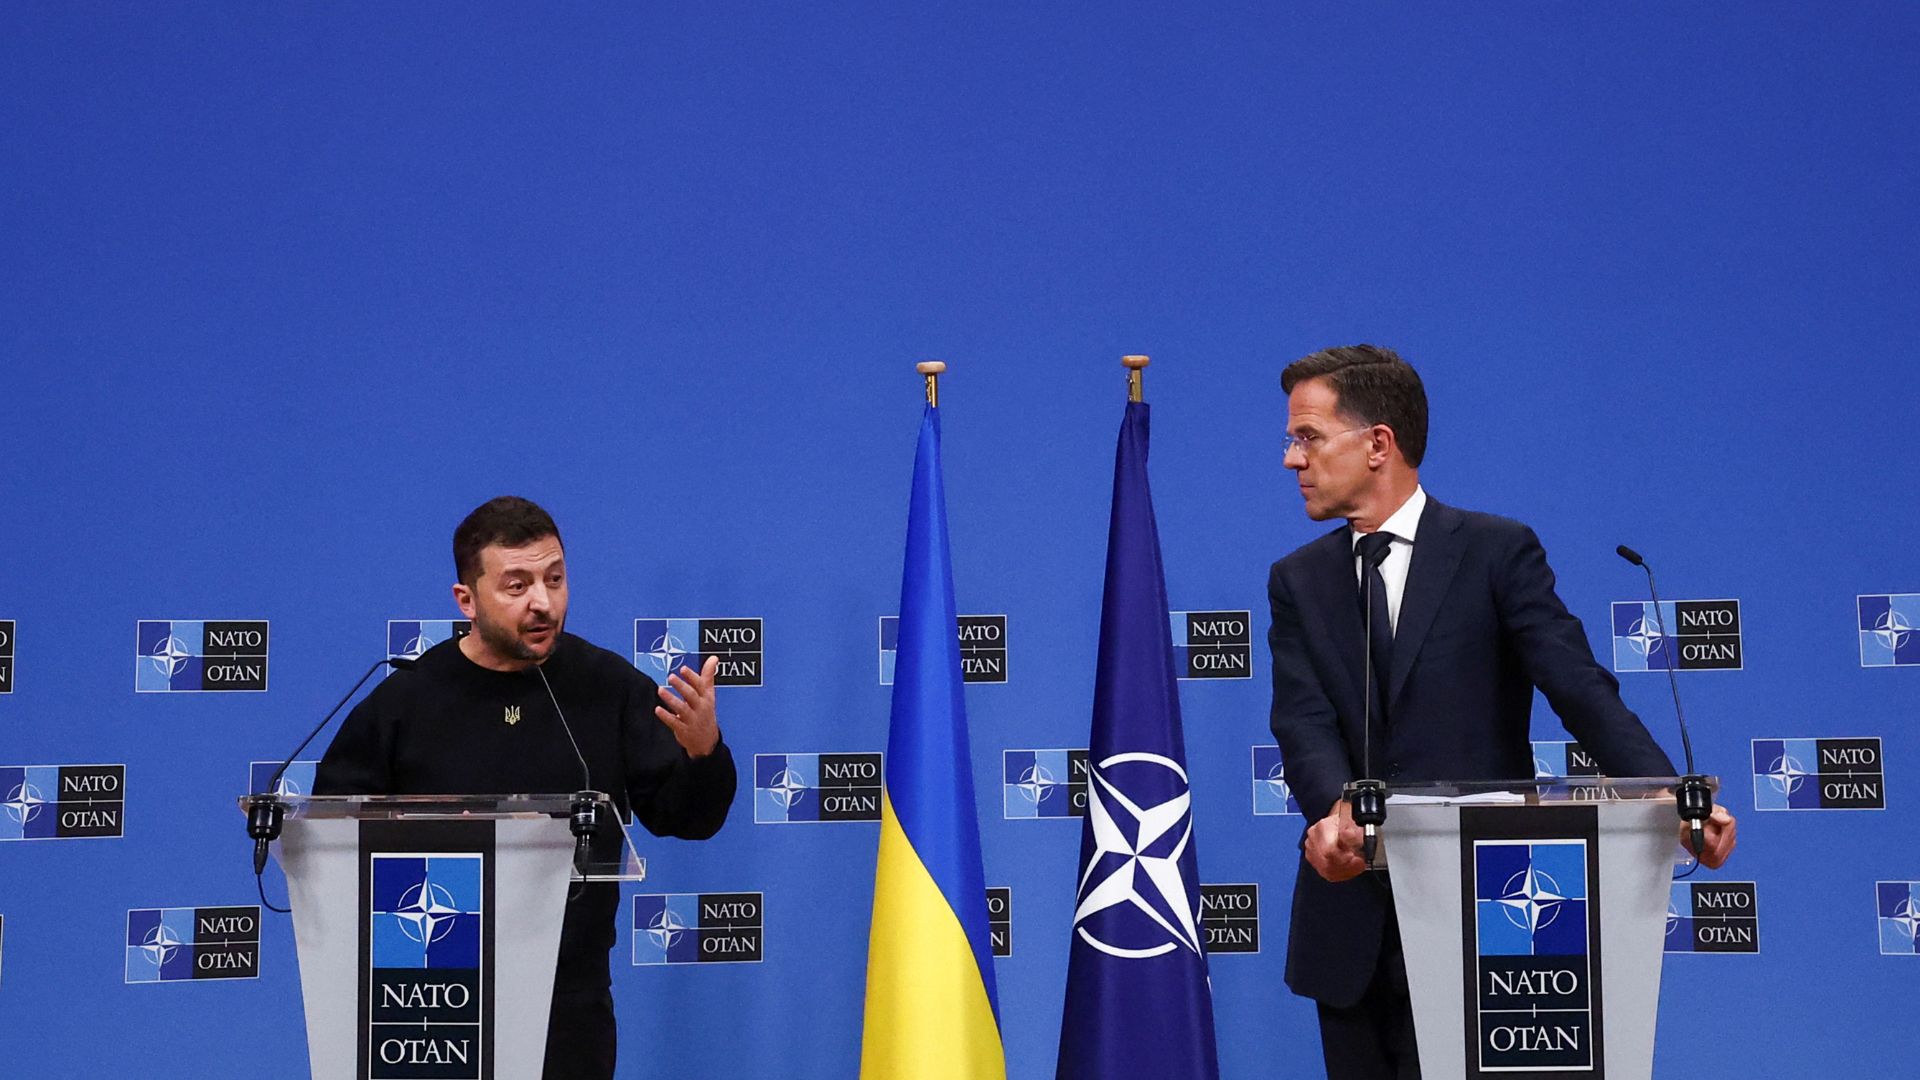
1138, 1003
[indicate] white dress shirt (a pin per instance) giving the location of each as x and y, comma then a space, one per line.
1403, 524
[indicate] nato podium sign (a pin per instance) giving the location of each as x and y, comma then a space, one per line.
428, 928
1533, 916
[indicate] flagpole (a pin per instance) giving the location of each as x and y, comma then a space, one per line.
932, 370
1134, 365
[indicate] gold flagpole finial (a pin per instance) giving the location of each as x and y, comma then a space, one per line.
932, 369
1134, 364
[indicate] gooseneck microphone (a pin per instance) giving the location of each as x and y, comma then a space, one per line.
265, 812
1694, 798
1368, 796
584, 820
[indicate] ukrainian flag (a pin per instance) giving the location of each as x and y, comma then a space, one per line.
932, 1009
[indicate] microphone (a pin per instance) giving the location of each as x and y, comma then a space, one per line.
1368, 796
265, 811
584, 820
1693, 798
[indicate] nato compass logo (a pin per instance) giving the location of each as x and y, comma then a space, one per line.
182, 655
424, 940
1888, 625
698, 928
407, 639
1532, 957
1713, 917
983, 648
1700, 635
295, 782
6, 656
181, 944
1230, 915
662, 646
1818, 774
1000, 920
1043, 783
1271, 795
815, 787
1898, 904
1134, 899
62, 802
1558, 760
1212, 644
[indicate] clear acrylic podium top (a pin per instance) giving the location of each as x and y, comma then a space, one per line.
1540, 790
609, 861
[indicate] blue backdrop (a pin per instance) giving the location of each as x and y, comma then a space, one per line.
287, 292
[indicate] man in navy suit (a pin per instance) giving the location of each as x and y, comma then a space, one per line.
1466, 627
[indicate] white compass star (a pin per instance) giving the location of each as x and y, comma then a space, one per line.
787, 787
170, 657
1785, 774
1112, 817
24, 802
1531, 900
426, 912
666, 928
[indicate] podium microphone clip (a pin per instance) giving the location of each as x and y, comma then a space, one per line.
1369, 801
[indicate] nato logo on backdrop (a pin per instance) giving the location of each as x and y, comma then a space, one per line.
62, 802
1230, 918
1271, 795
6, 656
184, 944
407, 639
1713, 917
1684, 635
1043, 784
1898, 905
1212, 644
1818, 774
192, 655
1888, 622
983, 648
698, 928
816, 787
662, 646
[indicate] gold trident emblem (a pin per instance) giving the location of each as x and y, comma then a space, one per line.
513, 715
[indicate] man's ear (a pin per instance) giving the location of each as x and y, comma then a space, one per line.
463, 596
1382, 444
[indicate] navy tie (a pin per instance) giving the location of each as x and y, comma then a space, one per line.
1380, 639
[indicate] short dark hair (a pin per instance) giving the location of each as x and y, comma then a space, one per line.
1374, 386
509, 520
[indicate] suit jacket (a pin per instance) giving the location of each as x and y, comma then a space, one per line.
1480, 628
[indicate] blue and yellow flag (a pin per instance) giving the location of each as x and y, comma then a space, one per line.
932, 1009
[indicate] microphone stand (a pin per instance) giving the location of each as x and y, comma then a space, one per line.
1368, 796
1693, 798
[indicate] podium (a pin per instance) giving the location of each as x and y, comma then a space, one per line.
427, 927
1533, 916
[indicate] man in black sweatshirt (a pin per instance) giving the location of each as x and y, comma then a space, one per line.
473, 717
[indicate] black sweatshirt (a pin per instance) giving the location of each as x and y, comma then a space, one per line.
441, 729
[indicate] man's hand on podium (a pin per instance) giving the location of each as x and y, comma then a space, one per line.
688, 708
1334, 843
1720, 830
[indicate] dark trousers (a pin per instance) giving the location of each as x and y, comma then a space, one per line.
1373, 1038
581, 1037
